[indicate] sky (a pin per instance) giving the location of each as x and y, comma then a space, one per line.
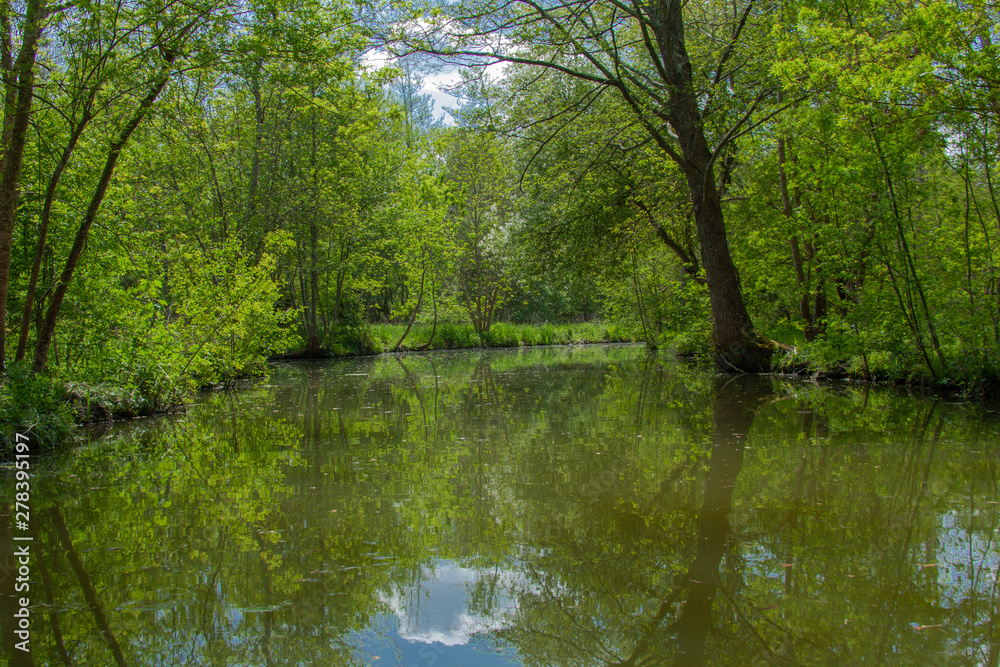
438, 79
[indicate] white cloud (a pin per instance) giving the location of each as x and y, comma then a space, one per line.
376, 59
437, 610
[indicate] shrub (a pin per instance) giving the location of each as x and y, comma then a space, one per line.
35, 405
354, 340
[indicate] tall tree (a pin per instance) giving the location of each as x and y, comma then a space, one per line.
476, 168
693, 108
19, 76
154, 44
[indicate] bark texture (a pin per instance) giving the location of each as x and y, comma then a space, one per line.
738, 346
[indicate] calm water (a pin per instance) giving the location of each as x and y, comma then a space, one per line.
548, 507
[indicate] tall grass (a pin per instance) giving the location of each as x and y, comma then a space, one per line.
502, 334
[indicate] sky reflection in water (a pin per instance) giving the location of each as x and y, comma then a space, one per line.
565, 506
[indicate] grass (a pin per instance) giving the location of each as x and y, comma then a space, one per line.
34, 405
47, 409
449, 336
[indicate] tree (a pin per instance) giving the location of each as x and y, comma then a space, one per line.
599, 201
418, 107
476, 168
693, 108
853, 190
111, 61
19, 82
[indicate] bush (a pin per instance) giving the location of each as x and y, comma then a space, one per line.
35, 405
354, 340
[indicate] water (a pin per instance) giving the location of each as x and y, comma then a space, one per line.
588, 506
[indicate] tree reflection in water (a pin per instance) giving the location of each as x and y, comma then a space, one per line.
561, 507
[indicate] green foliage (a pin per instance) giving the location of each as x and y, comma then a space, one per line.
450, 335
355, 340
35, 405
225, 314
502, 334
455, 336
529, 335
143, 396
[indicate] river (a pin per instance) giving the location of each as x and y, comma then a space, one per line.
549, 506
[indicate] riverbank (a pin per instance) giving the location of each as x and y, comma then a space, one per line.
51, 408
976, 378
381, 338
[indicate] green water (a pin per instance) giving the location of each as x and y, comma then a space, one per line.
589, 506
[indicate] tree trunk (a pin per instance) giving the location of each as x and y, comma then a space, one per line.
738, 346
43, 227
416, 309
258, 141
9, 81
47, 333
14, 153
434, 326
313, 343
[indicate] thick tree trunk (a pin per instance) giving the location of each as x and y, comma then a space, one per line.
738, 346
